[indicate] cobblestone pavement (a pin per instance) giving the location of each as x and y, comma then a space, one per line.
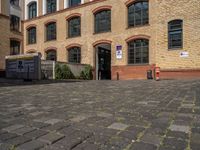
101, 115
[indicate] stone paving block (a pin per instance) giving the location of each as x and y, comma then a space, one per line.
6, 136
103, 114
57, 126
67, 143
151, 139
117, 143
38, 125
118, 126
51, 138
18, 140
142, 146
32, 145
178, 135
78, 118
36, 113
175, 143
195, 138
5, 146
53, 121
35, 134
195, 146
179, 128
86, 146
13, 127
23, 130
41, 119
30, 108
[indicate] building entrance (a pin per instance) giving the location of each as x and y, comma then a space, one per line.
103, 62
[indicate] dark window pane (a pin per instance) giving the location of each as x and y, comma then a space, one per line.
51, 31
51, 55
14, 47
138, 52
138, 14
32, 35
74, 27
74, 2
14, 2
14, 23
103, 21
51, 6
74, 55
32, 12
175, 34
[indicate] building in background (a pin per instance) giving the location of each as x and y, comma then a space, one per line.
122, 38
11, 34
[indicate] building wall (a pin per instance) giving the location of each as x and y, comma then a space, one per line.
5, 33
189, 12
4, 39
160, 13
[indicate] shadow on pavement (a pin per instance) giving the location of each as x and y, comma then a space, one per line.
14, 82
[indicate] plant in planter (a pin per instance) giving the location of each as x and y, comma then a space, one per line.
86, 73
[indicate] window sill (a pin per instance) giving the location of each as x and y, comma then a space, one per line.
78, 36
146, 64
175, 49
30, 44
138, 26
102, 32
16, 31
50, 40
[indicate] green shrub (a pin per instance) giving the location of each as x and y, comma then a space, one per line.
86, 73
66, 72
58, 71
63, 72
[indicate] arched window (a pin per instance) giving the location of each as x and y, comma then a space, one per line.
51, 31
138, 51
74, 55
32, 10
74, 2
74, 27
51, 55
103, 21
14, 47
138, 13
51, 6
175, 34
31, 35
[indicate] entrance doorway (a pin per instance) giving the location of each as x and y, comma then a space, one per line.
103, 62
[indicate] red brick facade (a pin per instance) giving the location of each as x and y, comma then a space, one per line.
140, 72
179, 74
131, 72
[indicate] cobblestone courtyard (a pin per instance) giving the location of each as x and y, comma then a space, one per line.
101, 115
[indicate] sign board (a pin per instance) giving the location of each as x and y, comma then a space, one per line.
119, 52
184, 54
23, 66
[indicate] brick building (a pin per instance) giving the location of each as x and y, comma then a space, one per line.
11, 37
124, 37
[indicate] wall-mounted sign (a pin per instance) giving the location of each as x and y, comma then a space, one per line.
184, 54
119, 51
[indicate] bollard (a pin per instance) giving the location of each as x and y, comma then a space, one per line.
117, 75
157, 73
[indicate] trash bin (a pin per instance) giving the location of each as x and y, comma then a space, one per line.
149, 74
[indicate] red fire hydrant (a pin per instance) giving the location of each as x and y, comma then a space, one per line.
157, 73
